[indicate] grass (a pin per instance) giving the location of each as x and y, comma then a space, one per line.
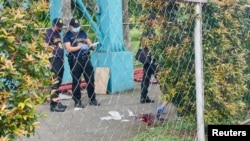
135, 35
170, 131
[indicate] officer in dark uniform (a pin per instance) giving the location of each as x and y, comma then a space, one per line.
77, 44
53, 39
149, 66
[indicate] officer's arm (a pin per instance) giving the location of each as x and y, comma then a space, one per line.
69, 48
88, 42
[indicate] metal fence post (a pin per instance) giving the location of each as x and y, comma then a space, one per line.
199, 73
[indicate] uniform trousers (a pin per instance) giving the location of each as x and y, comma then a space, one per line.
81, 66
149, 69
57, 67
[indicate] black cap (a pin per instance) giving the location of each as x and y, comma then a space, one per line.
58, 22
74, 22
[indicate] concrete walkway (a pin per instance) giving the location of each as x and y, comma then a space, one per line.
86, 124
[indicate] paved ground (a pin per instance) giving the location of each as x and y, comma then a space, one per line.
86, 124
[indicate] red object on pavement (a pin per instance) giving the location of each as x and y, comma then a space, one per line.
150, 119
147, 118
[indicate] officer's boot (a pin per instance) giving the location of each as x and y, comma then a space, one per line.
146, 100
55, 105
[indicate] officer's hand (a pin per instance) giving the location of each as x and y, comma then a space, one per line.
84, 47
92, 48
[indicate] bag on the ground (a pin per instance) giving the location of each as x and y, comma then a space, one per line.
142, 55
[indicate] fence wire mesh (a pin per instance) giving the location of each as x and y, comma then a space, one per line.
43, 70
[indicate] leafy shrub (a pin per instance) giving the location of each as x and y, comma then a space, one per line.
24, 70
224, 54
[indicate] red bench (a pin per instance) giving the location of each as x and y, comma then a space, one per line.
67, 87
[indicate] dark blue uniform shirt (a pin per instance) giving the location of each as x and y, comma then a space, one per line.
75, 39
54, 38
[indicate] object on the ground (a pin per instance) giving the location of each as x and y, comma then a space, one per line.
130, 113
114, 116
63, 96
149, 118
101, 80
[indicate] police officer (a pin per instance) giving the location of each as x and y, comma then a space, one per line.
53, 39
149, 66
77, 44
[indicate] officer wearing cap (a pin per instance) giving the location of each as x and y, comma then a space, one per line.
77, 44
53, 39
149, 67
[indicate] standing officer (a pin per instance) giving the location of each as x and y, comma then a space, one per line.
53, 39
77, 44
149, 66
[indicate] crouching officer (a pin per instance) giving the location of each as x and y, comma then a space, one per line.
77, 44
53, 39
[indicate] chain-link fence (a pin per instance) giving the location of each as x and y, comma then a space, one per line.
90, 85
